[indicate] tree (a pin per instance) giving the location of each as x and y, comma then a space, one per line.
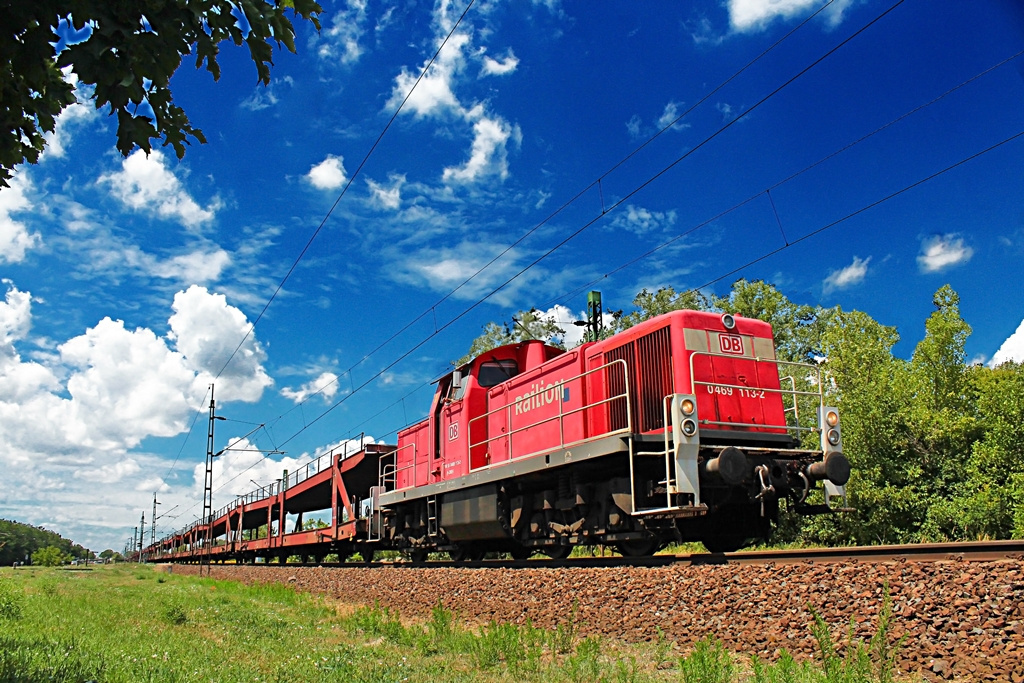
796, 327
126, 53
50, 556
525, 325
649, 305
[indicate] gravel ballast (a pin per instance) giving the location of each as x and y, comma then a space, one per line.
962, 620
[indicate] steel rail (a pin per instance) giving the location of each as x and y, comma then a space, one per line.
974, 551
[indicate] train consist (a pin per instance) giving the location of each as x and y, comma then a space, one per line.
683, 428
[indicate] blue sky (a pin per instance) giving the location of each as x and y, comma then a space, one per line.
127, 283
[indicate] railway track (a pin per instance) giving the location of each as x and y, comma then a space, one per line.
976, 551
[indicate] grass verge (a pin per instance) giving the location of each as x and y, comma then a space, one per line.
129, 623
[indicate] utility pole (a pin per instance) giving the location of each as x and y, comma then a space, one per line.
152, 533
594, 316
142, 535
208, 488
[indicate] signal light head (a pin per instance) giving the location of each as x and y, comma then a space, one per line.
833, 437
689, 427
832, 418
688, 406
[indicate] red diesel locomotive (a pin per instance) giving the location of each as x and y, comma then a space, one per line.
683, 428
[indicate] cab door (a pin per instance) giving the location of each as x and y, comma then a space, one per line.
453, 432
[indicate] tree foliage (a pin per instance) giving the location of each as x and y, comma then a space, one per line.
525, 325
18, 541
50, 556
126, 52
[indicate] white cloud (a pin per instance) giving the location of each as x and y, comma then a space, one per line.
755, 15
194, 267
489, 154
670, 114
207, 331
73, 116
70, 423
387, 197
495, 67
15, 238
1010, 350
145, 184
641, 221
940, 252
340, 41
329, 174
849, 276
433, 95
326, 385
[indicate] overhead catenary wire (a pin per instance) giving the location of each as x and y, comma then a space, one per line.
639, 188
348, 184
650, 252
587, 224
323, 222
770, 253
597, 182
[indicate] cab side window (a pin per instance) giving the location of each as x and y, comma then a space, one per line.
494, 372
457, 386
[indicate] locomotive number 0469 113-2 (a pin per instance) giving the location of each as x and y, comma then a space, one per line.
741, 391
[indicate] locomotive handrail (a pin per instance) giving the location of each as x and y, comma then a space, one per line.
557, 387
793, 392
387, 472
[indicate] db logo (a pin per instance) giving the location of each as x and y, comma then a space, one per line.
731, 343
453, 431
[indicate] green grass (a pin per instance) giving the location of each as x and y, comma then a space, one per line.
126, 623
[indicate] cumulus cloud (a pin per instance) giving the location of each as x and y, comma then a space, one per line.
340, 41
1010, 350
326, 385
15, 238
433, 94
387, 197
76, 418
641, 221
940, 252
849, 276
147, 185
755, 15
75, 115
329, 174
489, 154
207, 331
434, 97
495, 67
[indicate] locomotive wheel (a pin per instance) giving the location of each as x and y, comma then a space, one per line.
520, 552
557, 552
641, 547
464, 553
723, 544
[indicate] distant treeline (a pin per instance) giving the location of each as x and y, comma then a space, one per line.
19, 540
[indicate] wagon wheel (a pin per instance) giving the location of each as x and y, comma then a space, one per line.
418, 556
